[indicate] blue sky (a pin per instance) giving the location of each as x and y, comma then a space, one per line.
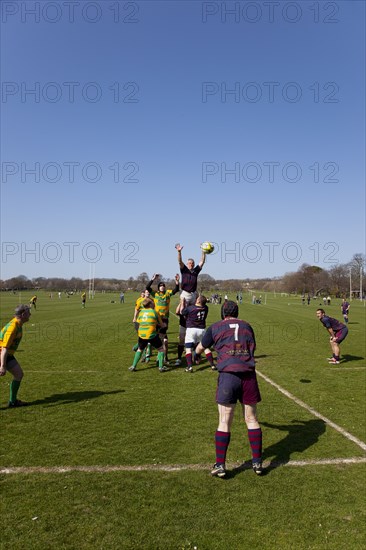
151, 123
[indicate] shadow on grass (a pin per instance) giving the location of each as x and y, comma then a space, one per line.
72, 397
351, 358
300, 436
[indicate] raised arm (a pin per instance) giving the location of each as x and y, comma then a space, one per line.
202, 260
179, 248
176, 288
149, 284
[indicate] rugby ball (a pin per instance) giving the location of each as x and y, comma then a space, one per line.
207, 247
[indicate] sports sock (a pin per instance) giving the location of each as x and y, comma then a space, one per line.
209, 357
160, 359
137, 358
189, 359
222, 440
14, 387
135, 347
180, 351
255, 440
148, 350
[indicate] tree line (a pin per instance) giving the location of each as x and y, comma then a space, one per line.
308, 279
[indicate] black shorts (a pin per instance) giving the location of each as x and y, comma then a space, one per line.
9, 360
164, 329
155, 342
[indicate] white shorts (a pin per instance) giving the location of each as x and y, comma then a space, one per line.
189, 297
194, 335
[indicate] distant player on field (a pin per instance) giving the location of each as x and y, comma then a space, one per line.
10, 337
162, 304
83, 299
189, 274
234, 342
345, 309
33, 302
338, 332
148, 321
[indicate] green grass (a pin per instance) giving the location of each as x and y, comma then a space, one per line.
89, 410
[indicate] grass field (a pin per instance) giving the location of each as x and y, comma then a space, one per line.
105, 458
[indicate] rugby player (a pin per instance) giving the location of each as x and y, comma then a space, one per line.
189, 274
138, 306
10, 337
162, 304
338, 332
196, 316
234, 341
148, 322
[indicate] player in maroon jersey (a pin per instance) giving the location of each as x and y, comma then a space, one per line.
234, 341
195, 329
338, 332
189, 274
345, 309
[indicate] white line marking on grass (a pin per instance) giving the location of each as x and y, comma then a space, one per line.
171, 467
346, 434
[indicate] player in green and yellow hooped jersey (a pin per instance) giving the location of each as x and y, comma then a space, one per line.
138, 306
149, 321
162, 305
10, 337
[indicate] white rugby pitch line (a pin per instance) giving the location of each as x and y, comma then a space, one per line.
172, 467
335, 426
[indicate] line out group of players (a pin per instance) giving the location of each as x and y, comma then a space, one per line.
232, 338
151, 318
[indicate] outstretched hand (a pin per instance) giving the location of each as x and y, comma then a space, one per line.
179, 247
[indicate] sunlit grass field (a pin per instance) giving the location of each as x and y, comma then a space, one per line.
104, 458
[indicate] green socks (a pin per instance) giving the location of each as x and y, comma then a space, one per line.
14, 387
160, 359
137, 358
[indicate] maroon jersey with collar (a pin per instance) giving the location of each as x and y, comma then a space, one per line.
234, 342
189, 278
